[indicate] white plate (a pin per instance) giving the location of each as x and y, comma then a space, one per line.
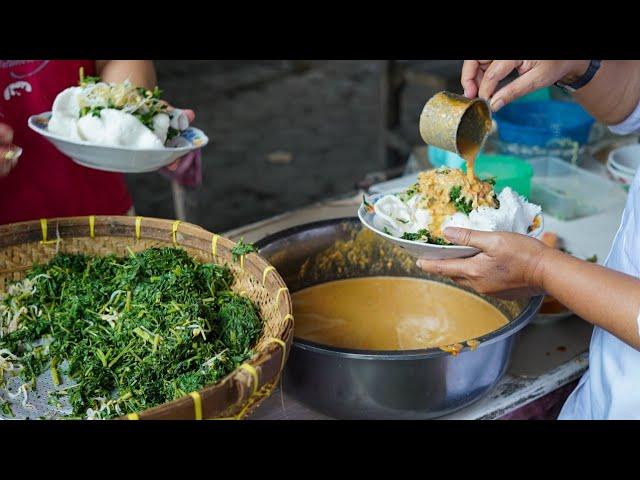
120, 159
421, 249
625, 159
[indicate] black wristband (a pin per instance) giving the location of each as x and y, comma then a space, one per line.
594, 66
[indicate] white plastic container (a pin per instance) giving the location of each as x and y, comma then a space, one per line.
567, 192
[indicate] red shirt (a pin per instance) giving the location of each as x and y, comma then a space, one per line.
45, 183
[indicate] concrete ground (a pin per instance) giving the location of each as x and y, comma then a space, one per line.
324, 115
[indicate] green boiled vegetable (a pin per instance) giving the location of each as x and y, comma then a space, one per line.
461, 204
240, 249
128, 333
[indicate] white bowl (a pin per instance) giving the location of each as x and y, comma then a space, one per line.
120, 159
421, 249
618, 175
626, 159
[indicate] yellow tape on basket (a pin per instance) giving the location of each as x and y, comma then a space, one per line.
266, 271
133, 416
197, 405
256, 394
254, 374
281, 290
267, 389
288, 316
138, 223
44, 227
92, 226
174, 231
284, 348
214, 244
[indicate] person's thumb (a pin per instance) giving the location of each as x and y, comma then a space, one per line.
466, 237
191, 115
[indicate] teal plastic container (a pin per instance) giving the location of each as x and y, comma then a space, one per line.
538, 95
443, 158
509, 171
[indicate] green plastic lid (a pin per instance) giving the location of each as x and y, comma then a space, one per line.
509, 171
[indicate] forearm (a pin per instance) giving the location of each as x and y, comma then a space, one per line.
141, 73
613, 93
604, 297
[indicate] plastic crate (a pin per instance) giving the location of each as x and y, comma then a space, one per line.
568, 192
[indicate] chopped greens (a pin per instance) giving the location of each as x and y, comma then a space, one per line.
138, 101
129, 333
439, 241
5, 409
172, 133
462, 205
422, 234
241, 249
93, 111
425, 236
409, 192
89, 80
490, 181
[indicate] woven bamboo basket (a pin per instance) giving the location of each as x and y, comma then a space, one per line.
240, 392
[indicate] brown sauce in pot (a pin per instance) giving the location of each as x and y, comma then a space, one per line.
391, 313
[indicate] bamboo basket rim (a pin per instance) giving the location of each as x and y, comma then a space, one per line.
236, 395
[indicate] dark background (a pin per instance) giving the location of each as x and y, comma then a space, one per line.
326, 114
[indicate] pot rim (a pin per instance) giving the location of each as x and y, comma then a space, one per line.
514, 326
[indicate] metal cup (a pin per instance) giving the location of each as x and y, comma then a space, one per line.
455, 123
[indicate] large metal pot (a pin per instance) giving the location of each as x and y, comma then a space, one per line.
362, 384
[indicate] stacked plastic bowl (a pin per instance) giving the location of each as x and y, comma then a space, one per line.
623, 163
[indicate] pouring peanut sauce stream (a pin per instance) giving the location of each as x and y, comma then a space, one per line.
476, 124
457, 124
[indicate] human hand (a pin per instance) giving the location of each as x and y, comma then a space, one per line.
186, 170
8, 153
509, 265
481, 77
190, 114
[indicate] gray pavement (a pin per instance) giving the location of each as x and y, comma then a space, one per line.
324, 115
